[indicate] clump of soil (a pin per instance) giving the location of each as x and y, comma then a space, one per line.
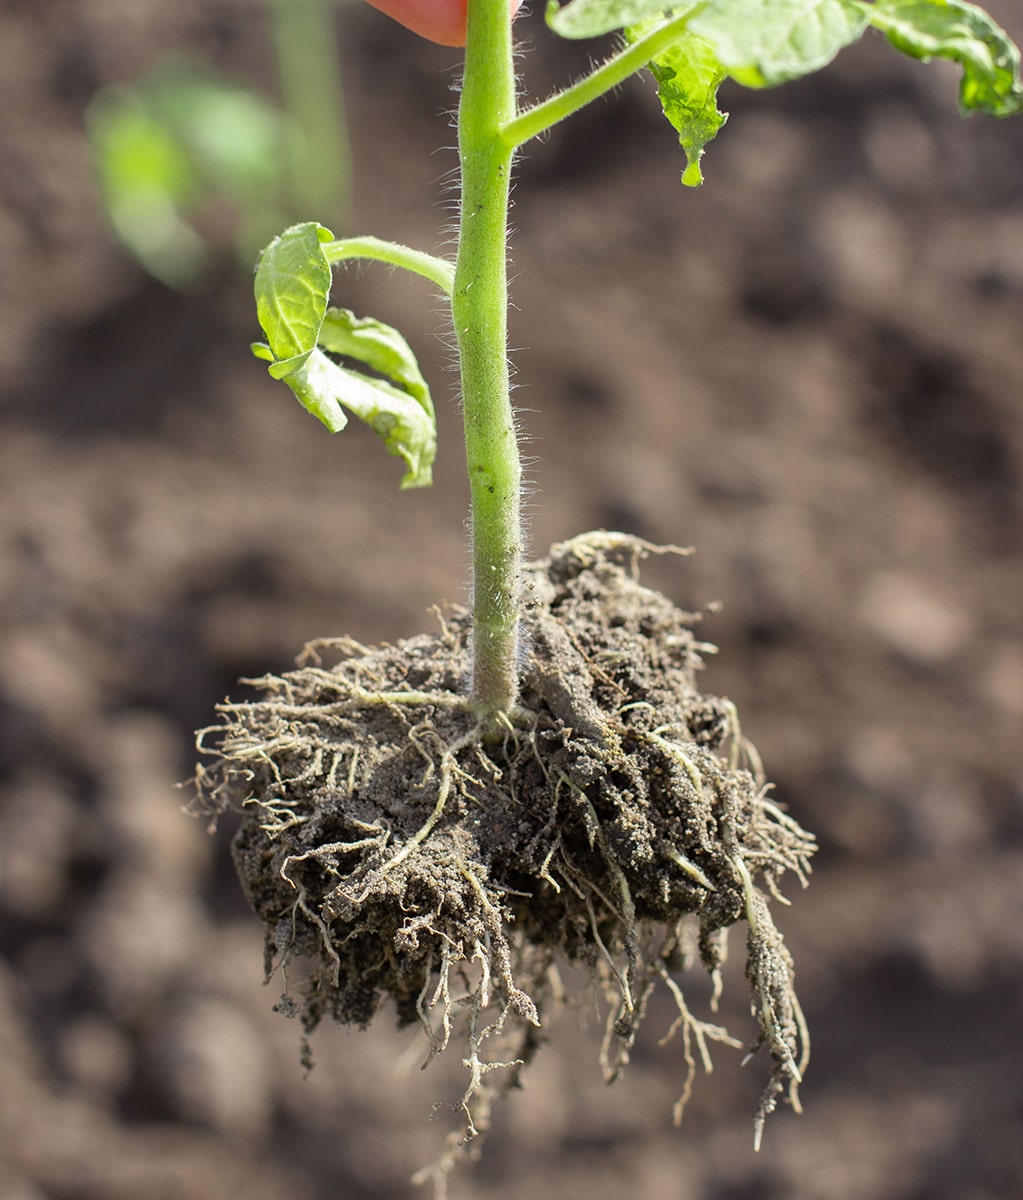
621, 822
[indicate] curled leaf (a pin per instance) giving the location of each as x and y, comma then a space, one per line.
292, 288
966, 35
323, 387
380, 347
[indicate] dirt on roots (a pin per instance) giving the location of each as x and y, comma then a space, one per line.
622, 822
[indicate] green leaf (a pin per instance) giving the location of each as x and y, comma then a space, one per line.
380, 347
758, 43
408, 430
964, 33
688, 76
592, 18
292, 288
309, 377
293, 279
761, 43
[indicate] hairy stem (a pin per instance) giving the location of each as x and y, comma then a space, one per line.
479, 307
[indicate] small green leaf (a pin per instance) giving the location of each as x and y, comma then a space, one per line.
380, 347
591, 18
310, 377
688, 76
292, 288
964, 33
293, 279
761, 43
322, 387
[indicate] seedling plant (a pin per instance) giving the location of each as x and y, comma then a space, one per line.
444, 821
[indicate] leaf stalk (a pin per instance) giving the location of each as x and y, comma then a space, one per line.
534, 121
438, 270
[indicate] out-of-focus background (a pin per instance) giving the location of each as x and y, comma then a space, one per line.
810, 369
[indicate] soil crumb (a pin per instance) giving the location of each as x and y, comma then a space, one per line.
622, 822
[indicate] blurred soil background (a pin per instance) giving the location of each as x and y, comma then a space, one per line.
810, 369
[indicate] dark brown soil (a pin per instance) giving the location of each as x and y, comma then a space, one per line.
810, 370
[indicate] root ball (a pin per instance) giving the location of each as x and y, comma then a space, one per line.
621, 822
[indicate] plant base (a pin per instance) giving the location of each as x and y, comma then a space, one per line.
621, 823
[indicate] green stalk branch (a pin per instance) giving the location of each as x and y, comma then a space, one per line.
310, 81
541, 117
438, 270
479, 306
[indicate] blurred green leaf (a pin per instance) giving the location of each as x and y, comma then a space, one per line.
174, 146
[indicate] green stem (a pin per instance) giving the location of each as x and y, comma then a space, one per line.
479, 310
438, 270
310, 82
538, 119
